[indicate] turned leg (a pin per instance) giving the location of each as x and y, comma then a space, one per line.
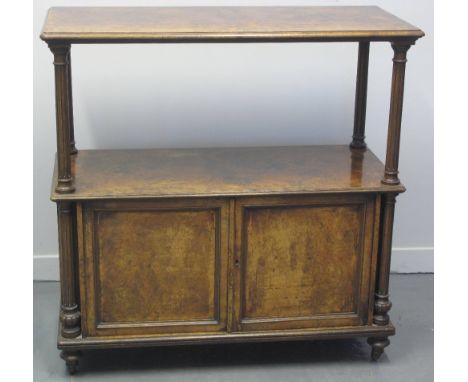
73, 149
361, 97
71, 359
70, 316
382, 304
63, 117
378, 345
396, 107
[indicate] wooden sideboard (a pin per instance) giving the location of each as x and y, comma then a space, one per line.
181, 246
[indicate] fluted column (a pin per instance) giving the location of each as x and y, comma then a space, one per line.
361, 97
396, 107
73, 149
63, 116
70, 316
382, 303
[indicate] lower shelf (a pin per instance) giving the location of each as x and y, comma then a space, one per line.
209, 172
81, 343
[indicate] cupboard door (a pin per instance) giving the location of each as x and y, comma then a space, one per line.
153, 267
305, 262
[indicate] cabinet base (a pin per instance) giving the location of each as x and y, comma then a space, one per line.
71, 347
80, 343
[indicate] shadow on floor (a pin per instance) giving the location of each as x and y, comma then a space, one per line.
231, 355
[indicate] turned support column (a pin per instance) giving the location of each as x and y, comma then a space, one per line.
63, 116
396, 107
361, 97
73, 149
382, 303
69, 313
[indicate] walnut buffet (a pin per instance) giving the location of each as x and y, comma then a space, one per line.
182, 246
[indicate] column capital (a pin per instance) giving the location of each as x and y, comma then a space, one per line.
58, 46
400, 49
61, 53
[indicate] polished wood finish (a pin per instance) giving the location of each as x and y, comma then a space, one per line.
63, 117
358, 141
257, 264
382, 304
153, 267
186, 246
396, 109
71, 359
225, 24
304, 262
86, 343
148, 173
73, 149
70, 316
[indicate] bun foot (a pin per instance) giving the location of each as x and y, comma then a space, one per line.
71, 359
378, 346
376, 353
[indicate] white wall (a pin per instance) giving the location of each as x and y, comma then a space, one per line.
232, 95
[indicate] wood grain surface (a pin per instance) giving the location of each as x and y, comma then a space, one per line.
154, 267
168, 246
103, 174
173, 24
305, 262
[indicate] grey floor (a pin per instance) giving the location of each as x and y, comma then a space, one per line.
410, 357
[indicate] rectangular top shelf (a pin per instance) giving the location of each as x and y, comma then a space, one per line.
224, 24
155, 173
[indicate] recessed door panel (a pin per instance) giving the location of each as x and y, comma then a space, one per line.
304, 262
155, 267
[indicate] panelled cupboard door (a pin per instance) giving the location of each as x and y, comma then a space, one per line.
305, 261
153, 267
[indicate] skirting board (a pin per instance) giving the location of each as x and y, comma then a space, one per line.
413, 260
46, 267
404, 260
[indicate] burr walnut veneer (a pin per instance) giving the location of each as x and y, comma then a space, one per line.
182, 246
